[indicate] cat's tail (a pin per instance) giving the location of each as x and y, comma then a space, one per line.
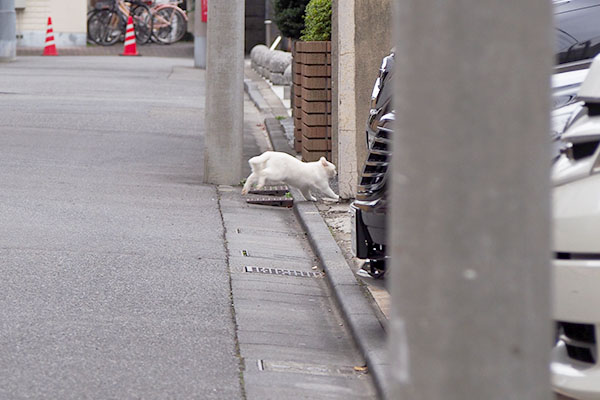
258, 163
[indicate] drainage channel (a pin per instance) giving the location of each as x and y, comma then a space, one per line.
272, 256
311, 369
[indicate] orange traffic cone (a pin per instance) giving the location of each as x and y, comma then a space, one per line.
50, 47
130, 47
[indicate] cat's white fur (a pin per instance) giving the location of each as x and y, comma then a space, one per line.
276, 167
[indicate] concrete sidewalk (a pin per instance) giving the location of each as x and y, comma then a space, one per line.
363, 306
293, 341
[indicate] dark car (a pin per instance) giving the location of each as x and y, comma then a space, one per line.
369, 208
578, 39
577, 25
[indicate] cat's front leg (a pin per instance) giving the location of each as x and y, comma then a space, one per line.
329, 193
249, 182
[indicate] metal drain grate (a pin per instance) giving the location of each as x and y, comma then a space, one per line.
272, 201
271, 191
284, 272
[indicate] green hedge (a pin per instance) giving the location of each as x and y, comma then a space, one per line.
317, 21
289, 17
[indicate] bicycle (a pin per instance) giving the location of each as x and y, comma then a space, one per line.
169, 21
107, 24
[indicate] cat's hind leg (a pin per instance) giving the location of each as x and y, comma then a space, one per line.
251, 180
262, 180
307, 195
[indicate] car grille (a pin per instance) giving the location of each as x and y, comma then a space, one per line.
373, 178
580, 341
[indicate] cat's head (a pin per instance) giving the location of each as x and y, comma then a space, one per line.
329, 167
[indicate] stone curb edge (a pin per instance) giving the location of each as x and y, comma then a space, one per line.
365, 327
255, 96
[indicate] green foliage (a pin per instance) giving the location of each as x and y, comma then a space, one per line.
289, 16
317, 21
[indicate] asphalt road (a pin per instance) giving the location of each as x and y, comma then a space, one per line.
113, 272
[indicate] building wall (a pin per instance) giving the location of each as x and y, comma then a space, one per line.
69, 20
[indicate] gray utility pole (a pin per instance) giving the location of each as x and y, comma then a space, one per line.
268, 23
199, 38
8, 30
224, 92
470, 225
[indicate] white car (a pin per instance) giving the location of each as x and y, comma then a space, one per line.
565, 103
575, 365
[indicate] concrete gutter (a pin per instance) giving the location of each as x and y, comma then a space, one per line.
354, 302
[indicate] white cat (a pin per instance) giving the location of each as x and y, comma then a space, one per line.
276, 167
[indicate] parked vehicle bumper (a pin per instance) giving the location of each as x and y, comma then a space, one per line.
576, 297
575, 363
368, 232
574, 379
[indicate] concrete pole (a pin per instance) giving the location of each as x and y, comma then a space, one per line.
470, 224
344, 122
224, 93
360, 40
268, 23
8, 30
199, 38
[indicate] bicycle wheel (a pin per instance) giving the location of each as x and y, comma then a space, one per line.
169, 25
103, 27
142, 23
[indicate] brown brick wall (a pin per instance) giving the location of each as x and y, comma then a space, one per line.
312, 99
297, 98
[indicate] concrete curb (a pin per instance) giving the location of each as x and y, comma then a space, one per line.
353, 301
277, 136
255, 96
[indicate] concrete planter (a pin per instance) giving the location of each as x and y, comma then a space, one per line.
311, 105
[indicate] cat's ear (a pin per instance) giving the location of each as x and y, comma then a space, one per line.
323, 161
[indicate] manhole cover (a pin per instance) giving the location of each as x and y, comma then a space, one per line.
284, 272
